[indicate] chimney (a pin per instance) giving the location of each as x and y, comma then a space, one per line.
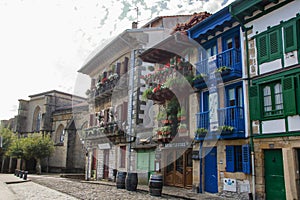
134, 25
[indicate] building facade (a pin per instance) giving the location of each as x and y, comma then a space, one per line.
222, 149
52, 113
272, 38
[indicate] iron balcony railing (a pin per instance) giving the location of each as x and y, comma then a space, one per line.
230, 58
230, 116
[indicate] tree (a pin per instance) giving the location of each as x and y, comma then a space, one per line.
6, 139
38, 146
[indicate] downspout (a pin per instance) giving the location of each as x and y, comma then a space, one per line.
200, 167
248, 79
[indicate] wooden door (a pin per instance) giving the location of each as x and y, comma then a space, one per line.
274, 175
211, 170
169, 171
188, 169
179, 169
105, 164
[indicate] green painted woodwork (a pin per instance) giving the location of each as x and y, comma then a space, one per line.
289, 96
269, 45
290, 36
274, 175
145, 160
261, 136
254, 103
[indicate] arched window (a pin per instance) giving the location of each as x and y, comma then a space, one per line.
37, 118
60, 134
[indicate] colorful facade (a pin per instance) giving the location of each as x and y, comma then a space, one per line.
272, 42
223, 163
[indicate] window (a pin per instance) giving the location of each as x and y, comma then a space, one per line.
269, 46
272, 99
37, 118
238, 158
290, 36
123, 156
60, 134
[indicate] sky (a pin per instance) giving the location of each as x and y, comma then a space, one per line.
44, 43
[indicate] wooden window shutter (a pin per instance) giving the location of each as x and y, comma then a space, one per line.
290, 37
254, 103
92, 120
118, 68
246, 159
126, 62
262, 48
289, 96
106, 116
230, 158
275, 44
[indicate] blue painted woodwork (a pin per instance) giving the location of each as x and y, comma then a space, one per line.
211, 170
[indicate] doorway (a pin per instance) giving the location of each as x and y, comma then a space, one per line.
105, 164
274, 175
179, 168
211, 170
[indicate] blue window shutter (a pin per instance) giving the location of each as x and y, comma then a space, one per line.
246, 159
230, 158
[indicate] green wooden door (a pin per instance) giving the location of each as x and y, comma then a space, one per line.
274, 177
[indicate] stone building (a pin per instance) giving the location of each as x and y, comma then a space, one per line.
61, 115
115, 122
271, 39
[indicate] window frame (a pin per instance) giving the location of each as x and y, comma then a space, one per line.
267, 35
242, 164
274, 112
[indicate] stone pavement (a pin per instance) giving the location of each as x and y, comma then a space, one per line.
14, 188
174, 192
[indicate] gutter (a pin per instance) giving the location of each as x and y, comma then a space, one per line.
248, 79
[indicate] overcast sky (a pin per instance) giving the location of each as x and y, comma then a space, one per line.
44, 43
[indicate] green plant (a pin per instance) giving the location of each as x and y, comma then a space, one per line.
222, 69
181, 112
225, 128
201, 131
182, 126
166, 130
200, 76
161, 115
146, 93
151, 68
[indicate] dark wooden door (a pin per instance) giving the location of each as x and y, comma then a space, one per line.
179, 170
105, 163
274, 175
188, 169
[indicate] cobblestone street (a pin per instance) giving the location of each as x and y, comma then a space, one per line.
102, 190
54, 187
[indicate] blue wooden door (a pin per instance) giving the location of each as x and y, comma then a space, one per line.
211, 170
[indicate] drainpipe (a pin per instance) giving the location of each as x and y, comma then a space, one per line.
248, 79
200, 167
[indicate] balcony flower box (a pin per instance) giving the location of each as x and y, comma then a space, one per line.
201, 132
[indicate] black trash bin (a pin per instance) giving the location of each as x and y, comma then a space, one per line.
25, 175
121, 180
131, 181
115, 174
21, 174
155, 185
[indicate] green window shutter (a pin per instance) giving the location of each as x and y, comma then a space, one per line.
254, 103
262, 48
275, 44
246, 159
230, 158
290, 37
289, 97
